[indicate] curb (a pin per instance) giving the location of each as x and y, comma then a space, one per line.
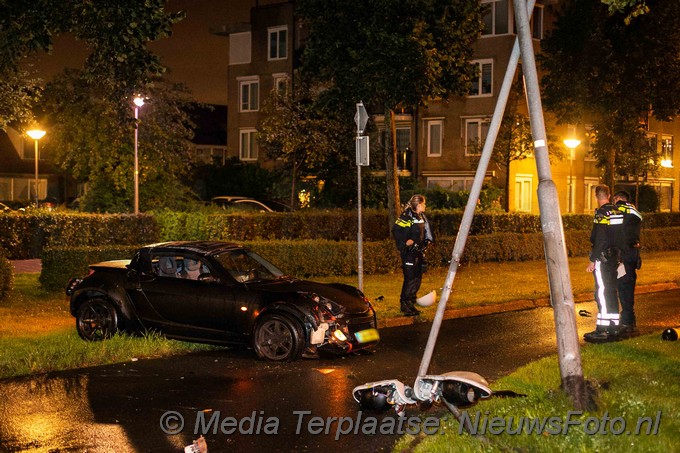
516, 305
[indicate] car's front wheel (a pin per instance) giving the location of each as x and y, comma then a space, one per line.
96, 320
278, 337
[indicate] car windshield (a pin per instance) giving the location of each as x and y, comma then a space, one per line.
248, 266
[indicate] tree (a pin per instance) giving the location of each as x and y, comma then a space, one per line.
296, 130
614, 75
390, 53
116, 31
90, 140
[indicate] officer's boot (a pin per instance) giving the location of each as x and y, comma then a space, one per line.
408, 308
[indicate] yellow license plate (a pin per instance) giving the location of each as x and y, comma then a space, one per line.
368, 335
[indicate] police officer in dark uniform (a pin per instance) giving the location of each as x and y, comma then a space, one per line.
412, 234
630, 256
606, 237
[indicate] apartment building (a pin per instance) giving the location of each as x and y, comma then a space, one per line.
439, 143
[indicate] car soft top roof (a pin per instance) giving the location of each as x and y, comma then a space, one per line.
202, 247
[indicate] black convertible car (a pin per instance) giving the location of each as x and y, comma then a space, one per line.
221, 293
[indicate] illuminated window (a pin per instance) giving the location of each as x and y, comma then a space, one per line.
523, 193
667, 151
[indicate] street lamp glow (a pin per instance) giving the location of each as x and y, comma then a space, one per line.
572, 143
138, 101
36, 134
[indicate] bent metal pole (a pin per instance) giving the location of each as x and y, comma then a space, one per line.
476, 189
561, 293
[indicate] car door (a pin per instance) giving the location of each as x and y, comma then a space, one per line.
184, 305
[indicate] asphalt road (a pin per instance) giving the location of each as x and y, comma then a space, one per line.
120, 408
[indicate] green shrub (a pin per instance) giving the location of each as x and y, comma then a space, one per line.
60, 264
26, 235
310, 258
6, 275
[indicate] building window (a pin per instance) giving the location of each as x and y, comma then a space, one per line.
281, 83
239, 48
590, 202
453, 183
278, 43
523, 193
665, 191
482, 86
249, 93
476, 130
571, 194
210, 155
666, 151
20, 189
537, 23
434, 137
497, 17
248, 144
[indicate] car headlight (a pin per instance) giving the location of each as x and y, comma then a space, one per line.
326, 309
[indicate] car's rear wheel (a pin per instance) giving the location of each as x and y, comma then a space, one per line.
278, 337
96, 320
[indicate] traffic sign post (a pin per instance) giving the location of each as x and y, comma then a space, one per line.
362, 150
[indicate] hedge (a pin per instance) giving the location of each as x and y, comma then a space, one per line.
309, 258
26, 235
6, 275
341, 225
60, 264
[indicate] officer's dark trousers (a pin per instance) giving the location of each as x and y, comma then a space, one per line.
412, 266
626, 287
606, 295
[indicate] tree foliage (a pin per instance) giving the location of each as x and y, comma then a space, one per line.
96, 146
603, 71
116, 33
390, 53
300, 133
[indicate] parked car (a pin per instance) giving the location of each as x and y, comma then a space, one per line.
221, 293
248, 204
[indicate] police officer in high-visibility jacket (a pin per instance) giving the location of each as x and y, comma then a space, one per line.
413, 234
630, 255
606, 237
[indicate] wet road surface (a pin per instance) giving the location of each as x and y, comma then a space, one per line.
120, 408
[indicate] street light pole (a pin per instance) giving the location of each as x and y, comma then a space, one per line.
571, 143
36, 134
138, 101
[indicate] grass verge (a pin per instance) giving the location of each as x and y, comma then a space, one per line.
493, 283
637, 385
64, 349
